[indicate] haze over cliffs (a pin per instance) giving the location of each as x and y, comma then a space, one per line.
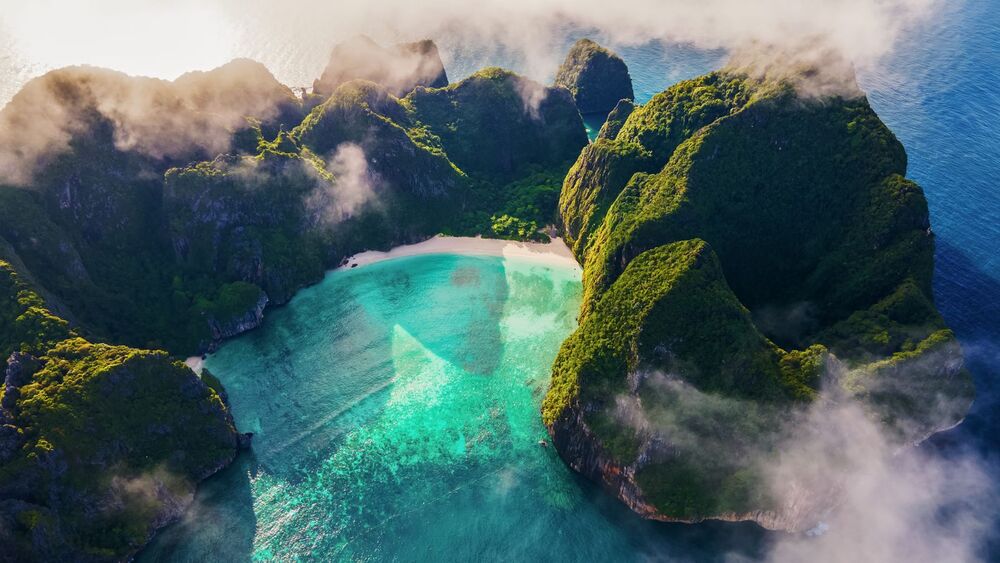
141, 215
750, 256
100, 445
399, 69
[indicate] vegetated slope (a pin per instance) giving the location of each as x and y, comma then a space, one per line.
100, 445
747, 250
151, 242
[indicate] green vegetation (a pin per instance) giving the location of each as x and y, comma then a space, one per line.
98, 443
146, 252
595, 76
496, 125
26, 325
644, 323
644, 143
102, 443
737, 240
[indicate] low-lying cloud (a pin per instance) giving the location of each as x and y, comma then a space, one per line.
353, 185
166, 120
193, 116
534, 33
852, 489
294, 38
892, 504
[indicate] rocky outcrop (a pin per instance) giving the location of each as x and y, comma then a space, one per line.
100, 445
616, 119
399, 69
497, 125
597, 77
20, 368
74, 484
752, 259
581, 449
239, 322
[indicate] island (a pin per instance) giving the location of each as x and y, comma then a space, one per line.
597, 77
750, 253
399, 69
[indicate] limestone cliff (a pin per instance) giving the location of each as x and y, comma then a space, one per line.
597, 77
399, 69
100, 445
749, 255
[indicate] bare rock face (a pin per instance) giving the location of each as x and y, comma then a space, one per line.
597, 77
240, 321
399, 69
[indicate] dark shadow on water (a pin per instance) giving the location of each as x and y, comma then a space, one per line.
969, 300
664, 541
221, 521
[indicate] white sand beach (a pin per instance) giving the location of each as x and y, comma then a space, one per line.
555, 252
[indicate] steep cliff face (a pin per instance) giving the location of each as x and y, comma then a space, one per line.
644, 142
496, 124
399, 69
616, 119
748, 254
240, 308
87, 217
126, 221
597, 77
100, 445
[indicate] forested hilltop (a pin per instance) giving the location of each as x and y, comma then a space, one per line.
140, 215
751, 254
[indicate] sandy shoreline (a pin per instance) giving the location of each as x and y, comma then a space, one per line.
554, 253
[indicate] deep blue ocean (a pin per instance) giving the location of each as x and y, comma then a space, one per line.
418, 457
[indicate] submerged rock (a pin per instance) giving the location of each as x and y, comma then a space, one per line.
245, 440
597, 77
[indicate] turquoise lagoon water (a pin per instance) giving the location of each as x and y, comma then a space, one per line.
395, 409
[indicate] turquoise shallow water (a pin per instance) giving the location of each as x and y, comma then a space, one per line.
396, 417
